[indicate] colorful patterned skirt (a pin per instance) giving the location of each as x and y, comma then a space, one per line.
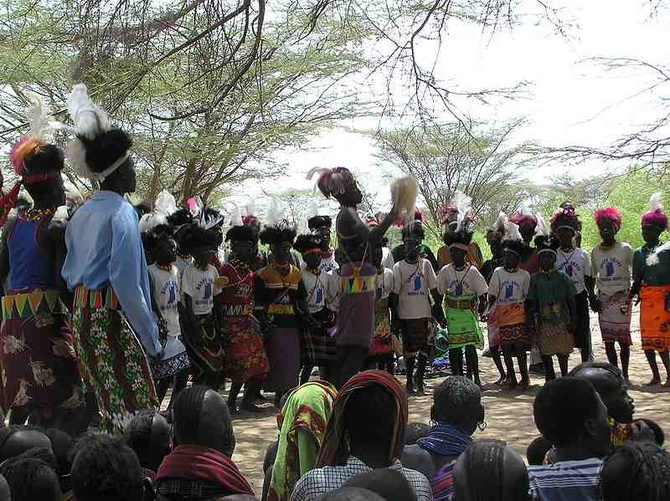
615, 318
382, 341
282, 345
173, 360
112, 359
318, 346
654, 318
202, 338
415, 334
39, 363
462, 323
511, 321
245, 353
356, 317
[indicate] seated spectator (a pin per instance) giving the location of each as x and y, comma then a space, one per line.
366, 431
16, 439
537, 451
105, 469
571, 415
636, 471
200, 467
347, 493
456, 412
490, 470
612, 388
415, 431
268, 462
30, 479
148, 434
389, 484
302, 427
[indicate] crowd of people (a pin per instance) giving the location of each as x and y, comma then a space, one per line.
106, 306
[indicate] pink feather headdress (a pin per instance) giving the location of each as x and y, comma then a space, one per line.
656, 215
611, 214
332, 182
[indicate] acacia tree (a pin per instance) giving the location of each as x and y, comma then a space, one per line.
453, 157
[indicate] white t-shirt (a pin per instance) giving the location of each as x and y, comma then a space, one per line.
612, 268
383, 284
200, 285
165, 291
413, 283
576, 264
387, 258
457, 283
509, 287
329, 264
322, 290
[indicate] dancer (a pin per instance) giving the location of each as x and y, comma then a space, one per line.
106, 268
280, 300
651, 284
200, 314
40, 373
494, 237
246, 361
381, 355
465, 291
424, 251
527, 223
507, 292
576, 264
179, 220
355, 321
551, 307
319, 349
321, 225
459, 214
173, 366
414, 282
611, 263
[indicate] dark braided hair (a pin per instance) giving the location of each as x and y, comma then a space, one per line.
636, 471
485, 479
186, 413
30, 478
137, 434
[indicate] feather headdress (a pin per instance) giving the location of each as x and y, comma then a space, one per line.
565, 217
404, 193
513, 241
541, 229
164, 207
458, 215
332, 182
525, 216
611, 214
656, 215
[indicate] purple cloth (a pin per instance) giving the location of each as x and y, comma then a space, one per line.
282, 345
356, 317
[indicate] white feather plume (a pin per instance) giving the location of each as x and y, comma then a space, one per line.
38, 117
655, 202
89, 119
501, 222
165, 203
235, 217
149, 221
526, 208
541, 229
275, 213
463, 204
653, 259
512, 232
61, 215
250, 207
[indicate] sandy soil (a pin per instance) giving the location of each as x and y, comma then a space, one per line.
508, 414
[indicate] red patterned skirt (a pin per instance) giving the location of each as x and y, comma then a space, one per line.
245, 353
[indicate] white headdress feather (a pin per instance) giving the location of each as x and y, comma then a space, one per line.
165, 203
512, 232
541, 229
463, 204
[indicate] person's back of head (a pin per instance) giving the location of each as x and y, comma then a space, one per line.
570, 414
537, 451
30, 479
350, 494
106, 469
148, 434
16, 439
659, 434
636, 471
201, 417
415, 431
458, 401
611, 386
389, 484
368, 419
489, 470
61, 445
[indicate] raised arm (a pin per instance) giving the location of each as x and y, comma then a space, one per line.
360, 229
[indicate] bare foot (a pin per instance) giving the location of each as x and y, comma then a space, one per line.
501, 380
654, 382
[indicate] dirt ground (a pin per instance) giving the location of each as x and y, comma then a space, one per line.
509, 414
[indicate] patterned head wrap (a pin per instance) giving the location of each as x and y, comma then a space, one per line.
656, 215
335, 447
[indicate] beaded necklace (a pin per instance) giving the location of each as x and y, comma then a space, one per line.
38, 214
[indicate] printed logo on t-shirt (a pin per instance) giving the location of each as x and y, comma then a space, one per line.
509, 290
169, 291
568, 269
208, 290
610, 264
459, 289
318, 295
416, 286
243, 290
